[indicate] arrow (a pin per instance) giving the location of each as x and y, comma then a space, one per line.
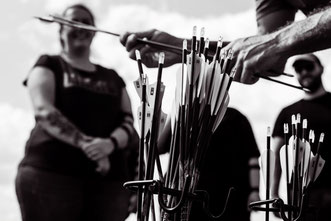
317, 162
267, 162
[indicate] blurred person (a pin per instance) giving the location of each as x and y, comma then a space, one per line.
315, 106
76, 159
231, 160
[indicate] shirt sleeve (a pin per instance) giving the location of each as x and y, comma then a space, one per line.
265, 7
43, 61
272, 14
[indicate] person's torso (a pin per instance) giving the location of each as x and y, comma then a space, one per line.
91, 101
318, 115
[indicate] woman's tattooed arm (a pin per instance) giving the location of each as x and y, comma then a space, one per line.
41, 85
57, 125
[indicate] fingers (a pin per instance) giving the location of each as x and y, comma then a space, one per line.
95, 155
103, 171
144, 50
248, 76
244, 73
238, 66
147, 34
90, 149
130, 40
98, 150
123, 38
103, 166
148, 57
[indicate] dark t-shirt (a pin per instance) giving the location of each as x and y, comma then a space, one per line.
318, 114
226, 165
91, 101
272, 14
264, 7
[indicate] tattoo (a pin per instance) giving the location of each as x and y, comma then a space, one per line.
60, 127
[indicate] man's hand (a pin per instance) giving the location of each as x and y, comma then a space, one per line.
256, 55
98, 148
150, 54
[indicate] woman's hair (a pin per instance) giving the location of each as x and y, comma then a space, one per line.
82, 7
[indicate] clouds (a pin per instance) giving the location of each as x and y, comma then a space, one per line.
260, 102
14, 130
40, 38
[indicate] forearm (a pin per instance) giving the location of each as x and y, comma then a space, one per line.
122, 134
58, 126
308, 35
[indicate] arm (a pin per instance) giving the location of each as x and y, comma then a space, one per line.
122, 134
309, 35
119, 138
267, 54
41, 87
148, 53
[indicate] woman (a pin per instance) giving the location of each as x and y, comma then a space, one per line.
76, 158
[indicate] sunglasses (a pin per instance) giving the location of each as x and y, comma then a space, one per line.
77, 33
301, 65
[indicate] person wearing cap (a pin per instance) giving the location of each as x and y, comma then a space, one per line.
315, 106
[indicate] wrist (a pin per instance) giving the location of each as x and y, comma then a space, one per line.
115, 142
283, 45
84, 141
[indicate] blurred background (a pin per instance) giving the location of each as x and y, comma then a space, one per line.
23, 39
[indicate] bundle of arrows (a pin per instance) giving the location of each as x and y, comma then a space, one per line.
201, 100
300, 161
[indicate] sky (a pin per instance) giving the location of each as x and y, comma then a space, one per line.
23, 39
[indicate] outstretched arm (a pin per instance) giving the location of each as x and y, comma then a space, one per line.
149, 54
267, 54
